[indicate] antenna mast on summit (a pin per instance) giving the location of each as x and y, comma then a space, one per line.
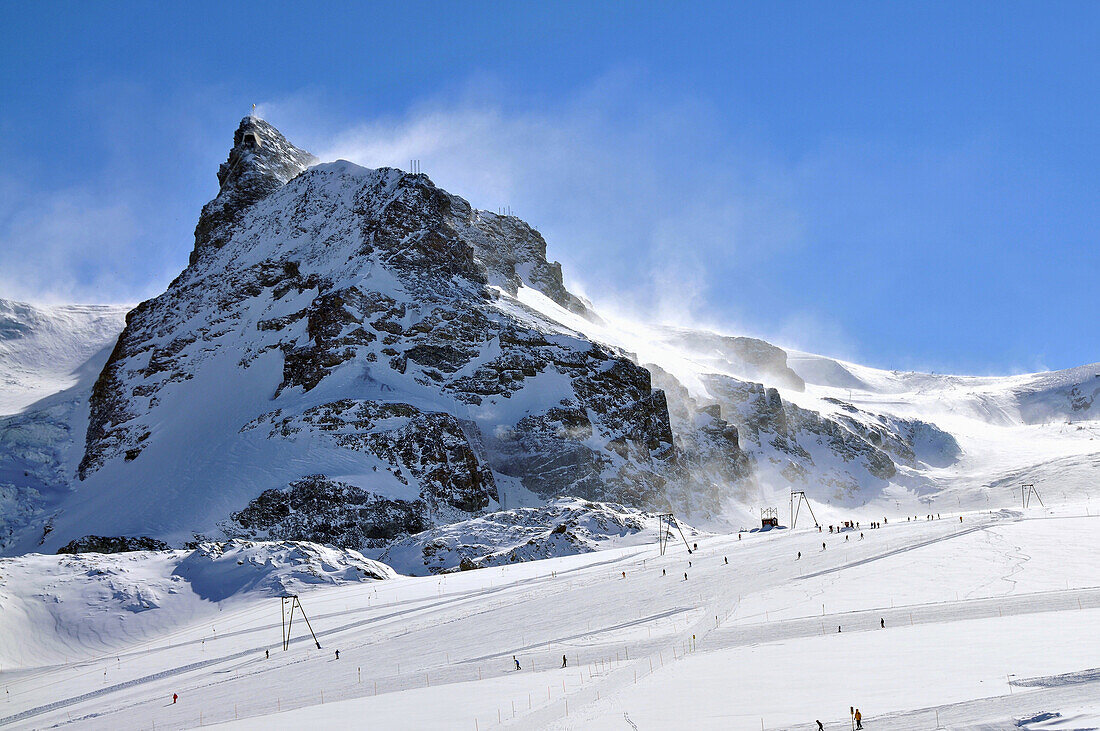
253, 111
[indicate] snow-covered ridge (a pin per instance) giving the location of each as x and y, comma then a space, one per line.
94, 600
564, 527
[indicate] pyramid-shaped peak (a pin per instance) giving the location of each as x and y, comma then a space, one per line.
259, 149
261, 162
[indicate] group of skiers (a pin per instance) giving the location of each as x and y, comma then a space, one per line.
564, 662
857, 717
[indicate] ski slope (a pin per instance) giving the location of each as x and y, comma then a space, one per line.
988, 620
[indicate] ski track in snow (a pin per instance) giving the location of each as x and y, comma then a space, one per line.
449, 639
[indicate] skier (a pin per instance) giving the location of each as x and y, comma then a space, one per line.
846, 538
820, 727
685, 576
823, 545
624, 574
174, 697
337, 654
516, 662
267, 654
564, 662
689, 564
799, 555
727, 560
861, 536
695, 546
838, 629
859, 719
882, 623
663, 572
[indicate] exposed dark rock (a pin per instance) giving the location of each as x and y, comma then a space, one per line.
260, 163
324, 511
113, 544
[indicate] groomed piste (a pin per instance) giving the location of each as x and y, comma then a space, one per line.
991, 621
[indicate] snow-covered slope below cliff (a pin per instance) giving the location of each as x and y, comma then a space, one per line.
46, 349
964, 441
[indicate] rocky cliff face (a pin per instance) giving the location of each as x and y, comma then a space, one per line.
341, 332
260, 162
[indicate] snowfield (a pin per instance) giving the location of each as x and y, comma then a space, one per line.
47, 349
991, 622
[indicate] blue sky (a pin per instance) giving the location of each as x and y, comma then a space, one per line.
910, 185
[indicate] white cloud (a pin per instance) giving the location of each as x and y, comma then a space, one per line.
66, 246
647, 204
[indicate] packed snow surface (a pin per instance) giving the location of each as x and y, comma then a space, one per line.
988, 622
47, 349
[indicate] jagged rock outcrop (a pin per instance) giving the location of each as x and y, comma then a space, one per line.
716, 469
113, 544
320, 510
428, 449
801, 446
562, 527
908, 441
260, 162
514, 254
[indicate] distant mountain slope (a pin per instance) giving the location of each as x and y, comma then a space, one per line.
49, 358
46, 349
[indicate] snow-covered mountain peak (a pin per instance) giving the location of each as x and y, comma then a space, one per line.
339, 362
356, 355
